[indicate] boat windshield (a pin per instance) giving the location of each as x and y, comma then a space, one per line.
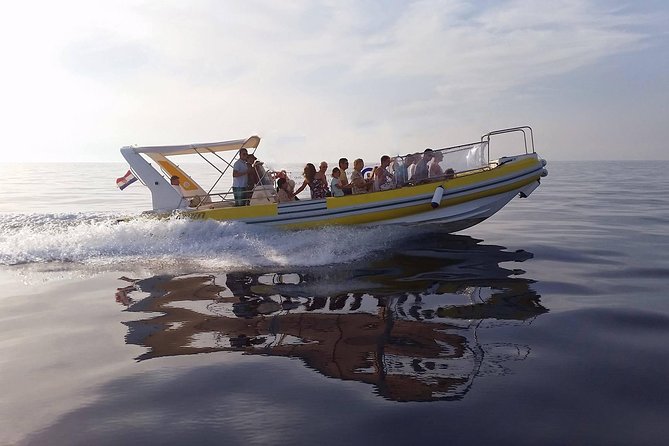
469, 157
446, 162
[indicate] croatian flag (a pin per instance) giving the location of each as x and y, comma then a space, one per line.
126, 180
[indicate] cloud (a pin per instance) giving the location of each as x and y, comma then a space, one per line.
333, 73
475, 56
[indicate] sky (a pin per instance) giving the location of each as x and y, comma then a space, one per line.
323, 79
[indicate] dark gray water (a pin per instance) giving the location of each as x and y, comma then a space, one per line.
547, 324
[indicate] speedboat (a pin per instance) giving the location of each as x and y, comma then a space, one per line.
469, 187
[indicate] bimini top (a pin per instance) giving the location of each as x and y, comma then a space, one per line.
194, 149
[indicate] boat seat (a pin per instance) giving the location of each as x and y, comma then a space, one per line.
263, 194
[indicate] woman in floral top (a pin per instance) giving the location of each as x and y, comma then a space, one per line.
315, 180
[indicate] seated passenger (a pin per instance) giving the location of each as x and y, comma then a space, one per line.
435, 169
399, 171
322, 168
450, 173
336, 183
346, 186
410, 165
383, 180
283, 193
421, 171
360, 184
291, 183
317, 183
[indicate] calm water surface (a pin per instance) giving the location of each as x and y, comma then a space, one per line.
547, 324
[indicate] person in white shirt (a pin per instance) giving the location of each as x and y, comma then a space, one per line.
240, 178
336, 183
345, 185
410, 164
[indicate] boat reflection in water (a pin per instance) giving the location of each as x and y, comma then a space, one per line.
408, 323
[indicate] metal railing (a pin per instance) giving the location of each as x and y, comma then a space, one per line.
266, 179
224, 197
523, 129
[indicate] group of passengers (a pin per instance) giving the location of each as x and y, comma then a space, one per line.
339, 185
391, 173
423, 167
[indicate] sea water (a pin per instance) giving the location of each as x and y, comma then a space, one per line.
546, 324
